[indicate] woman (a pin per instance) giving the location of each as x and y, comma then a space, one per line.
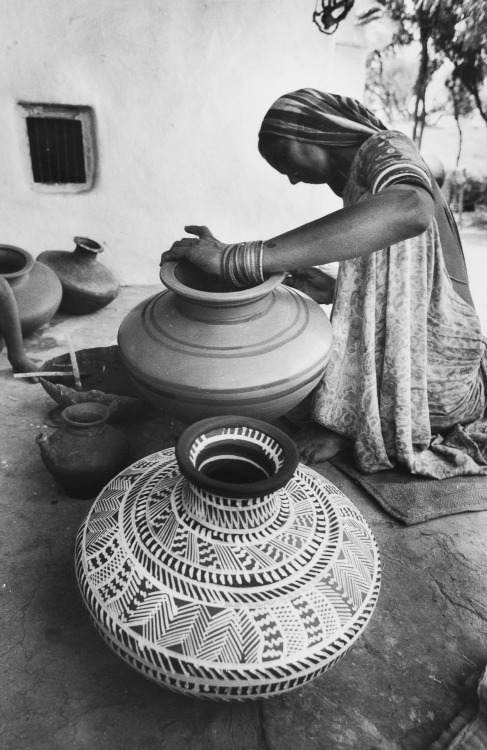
407, 370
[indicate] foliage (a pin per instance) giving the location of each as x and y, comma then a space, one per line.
390, 81
460, 34
454, 30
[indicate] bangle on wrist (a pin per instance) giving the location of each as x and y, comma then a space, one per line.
241, 264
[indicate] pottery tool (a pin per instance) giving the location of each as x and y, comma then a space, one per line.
44, 374
74, 363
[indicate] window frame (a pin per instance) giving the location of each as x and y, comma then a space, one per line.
82, 113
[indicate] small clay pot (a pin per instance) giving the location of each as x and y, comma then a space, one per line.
85, 453
88, 285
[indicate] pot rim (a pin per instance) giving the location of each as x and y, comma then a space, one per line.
168, 278
255, 489
91, 246
68, 414
28, 258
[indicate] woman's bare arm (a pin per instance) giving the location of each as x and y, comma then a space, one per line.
395, 214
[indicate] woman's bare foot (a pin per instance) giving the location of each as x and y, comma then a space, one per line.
316, 443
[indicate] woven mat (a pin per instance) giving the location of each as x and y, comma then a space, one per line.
413, 499
468, 731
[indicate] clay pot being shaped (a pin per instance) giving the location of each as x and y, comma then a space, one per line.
198, 350
88, 285
226, 570
85, 453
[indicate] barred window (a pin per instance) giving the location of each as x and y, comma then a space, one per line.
61, 146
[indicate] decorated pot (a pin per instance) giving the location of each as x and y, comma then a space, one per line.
226, 570
85, 453
36, 288
198, 349
88, 285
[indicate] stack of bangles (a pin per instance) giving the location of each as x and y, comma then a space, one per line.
242, 264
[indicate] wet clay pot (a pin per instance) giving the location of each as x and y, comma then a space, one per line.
36, 288
226, 570
87, 284
85, 453
198, 349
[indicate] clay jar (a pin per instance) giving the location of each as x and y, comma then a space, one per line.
36, 288
85, 453
225, 569
87, 284
198, 349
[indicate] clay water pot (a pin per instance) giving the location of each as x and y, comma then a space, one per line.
36, 288
198, 349
226, 570
30, 294
85, 453
88, 285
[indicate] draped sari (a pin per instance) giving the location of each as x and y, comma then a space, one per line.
407, 373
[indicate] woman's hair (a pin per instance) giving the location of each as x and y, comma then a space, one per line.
313, 116
267, 142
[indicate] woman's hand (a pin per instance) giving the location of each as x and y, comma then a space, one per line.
205, 251
313, 282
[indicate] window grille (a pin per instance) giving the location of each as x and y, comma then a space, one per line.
61, 146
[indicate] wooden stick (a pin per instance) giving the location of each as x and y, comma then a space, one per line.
43, 374
74, 363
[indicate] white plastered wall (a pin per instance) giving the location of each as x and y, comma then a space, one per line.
179, 88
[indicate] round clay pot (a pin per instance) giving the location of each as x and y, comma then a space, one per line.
85, 453
198, 350
87, 284
36, 288
227, 570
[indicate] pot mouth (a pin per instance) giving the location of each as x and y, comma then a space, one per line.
185, 279
87, 414
14, 261
90, 245
237, 457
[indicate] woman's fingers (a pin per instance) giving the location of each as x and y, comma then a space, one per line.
204, 250
202, 232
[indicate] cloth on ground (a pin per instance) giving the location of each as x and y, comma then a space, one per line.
468, 731
413, 499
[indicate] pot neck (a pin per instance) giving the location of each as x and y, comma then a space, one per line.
235, 472
85, 429
86, 249
202, 296
230, 515
85, 419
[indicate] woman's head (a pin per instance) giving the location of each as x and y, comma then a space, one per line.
313, 116
313, 124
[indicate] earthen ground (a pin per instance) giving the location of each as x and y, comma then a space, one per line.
62, 687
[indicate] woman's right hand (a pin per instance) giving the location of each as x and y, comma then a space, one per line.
205, 251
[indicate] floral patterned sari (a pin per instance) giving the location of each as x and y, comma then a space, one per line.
406, 379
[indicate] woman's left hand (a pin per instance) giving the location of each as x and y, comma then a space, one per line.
205, 251
313, 282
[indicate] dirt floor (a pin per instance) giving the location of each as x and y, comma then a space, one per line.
398, 688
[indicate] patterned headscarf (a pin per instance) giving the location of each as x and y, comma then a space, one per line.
315, 117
